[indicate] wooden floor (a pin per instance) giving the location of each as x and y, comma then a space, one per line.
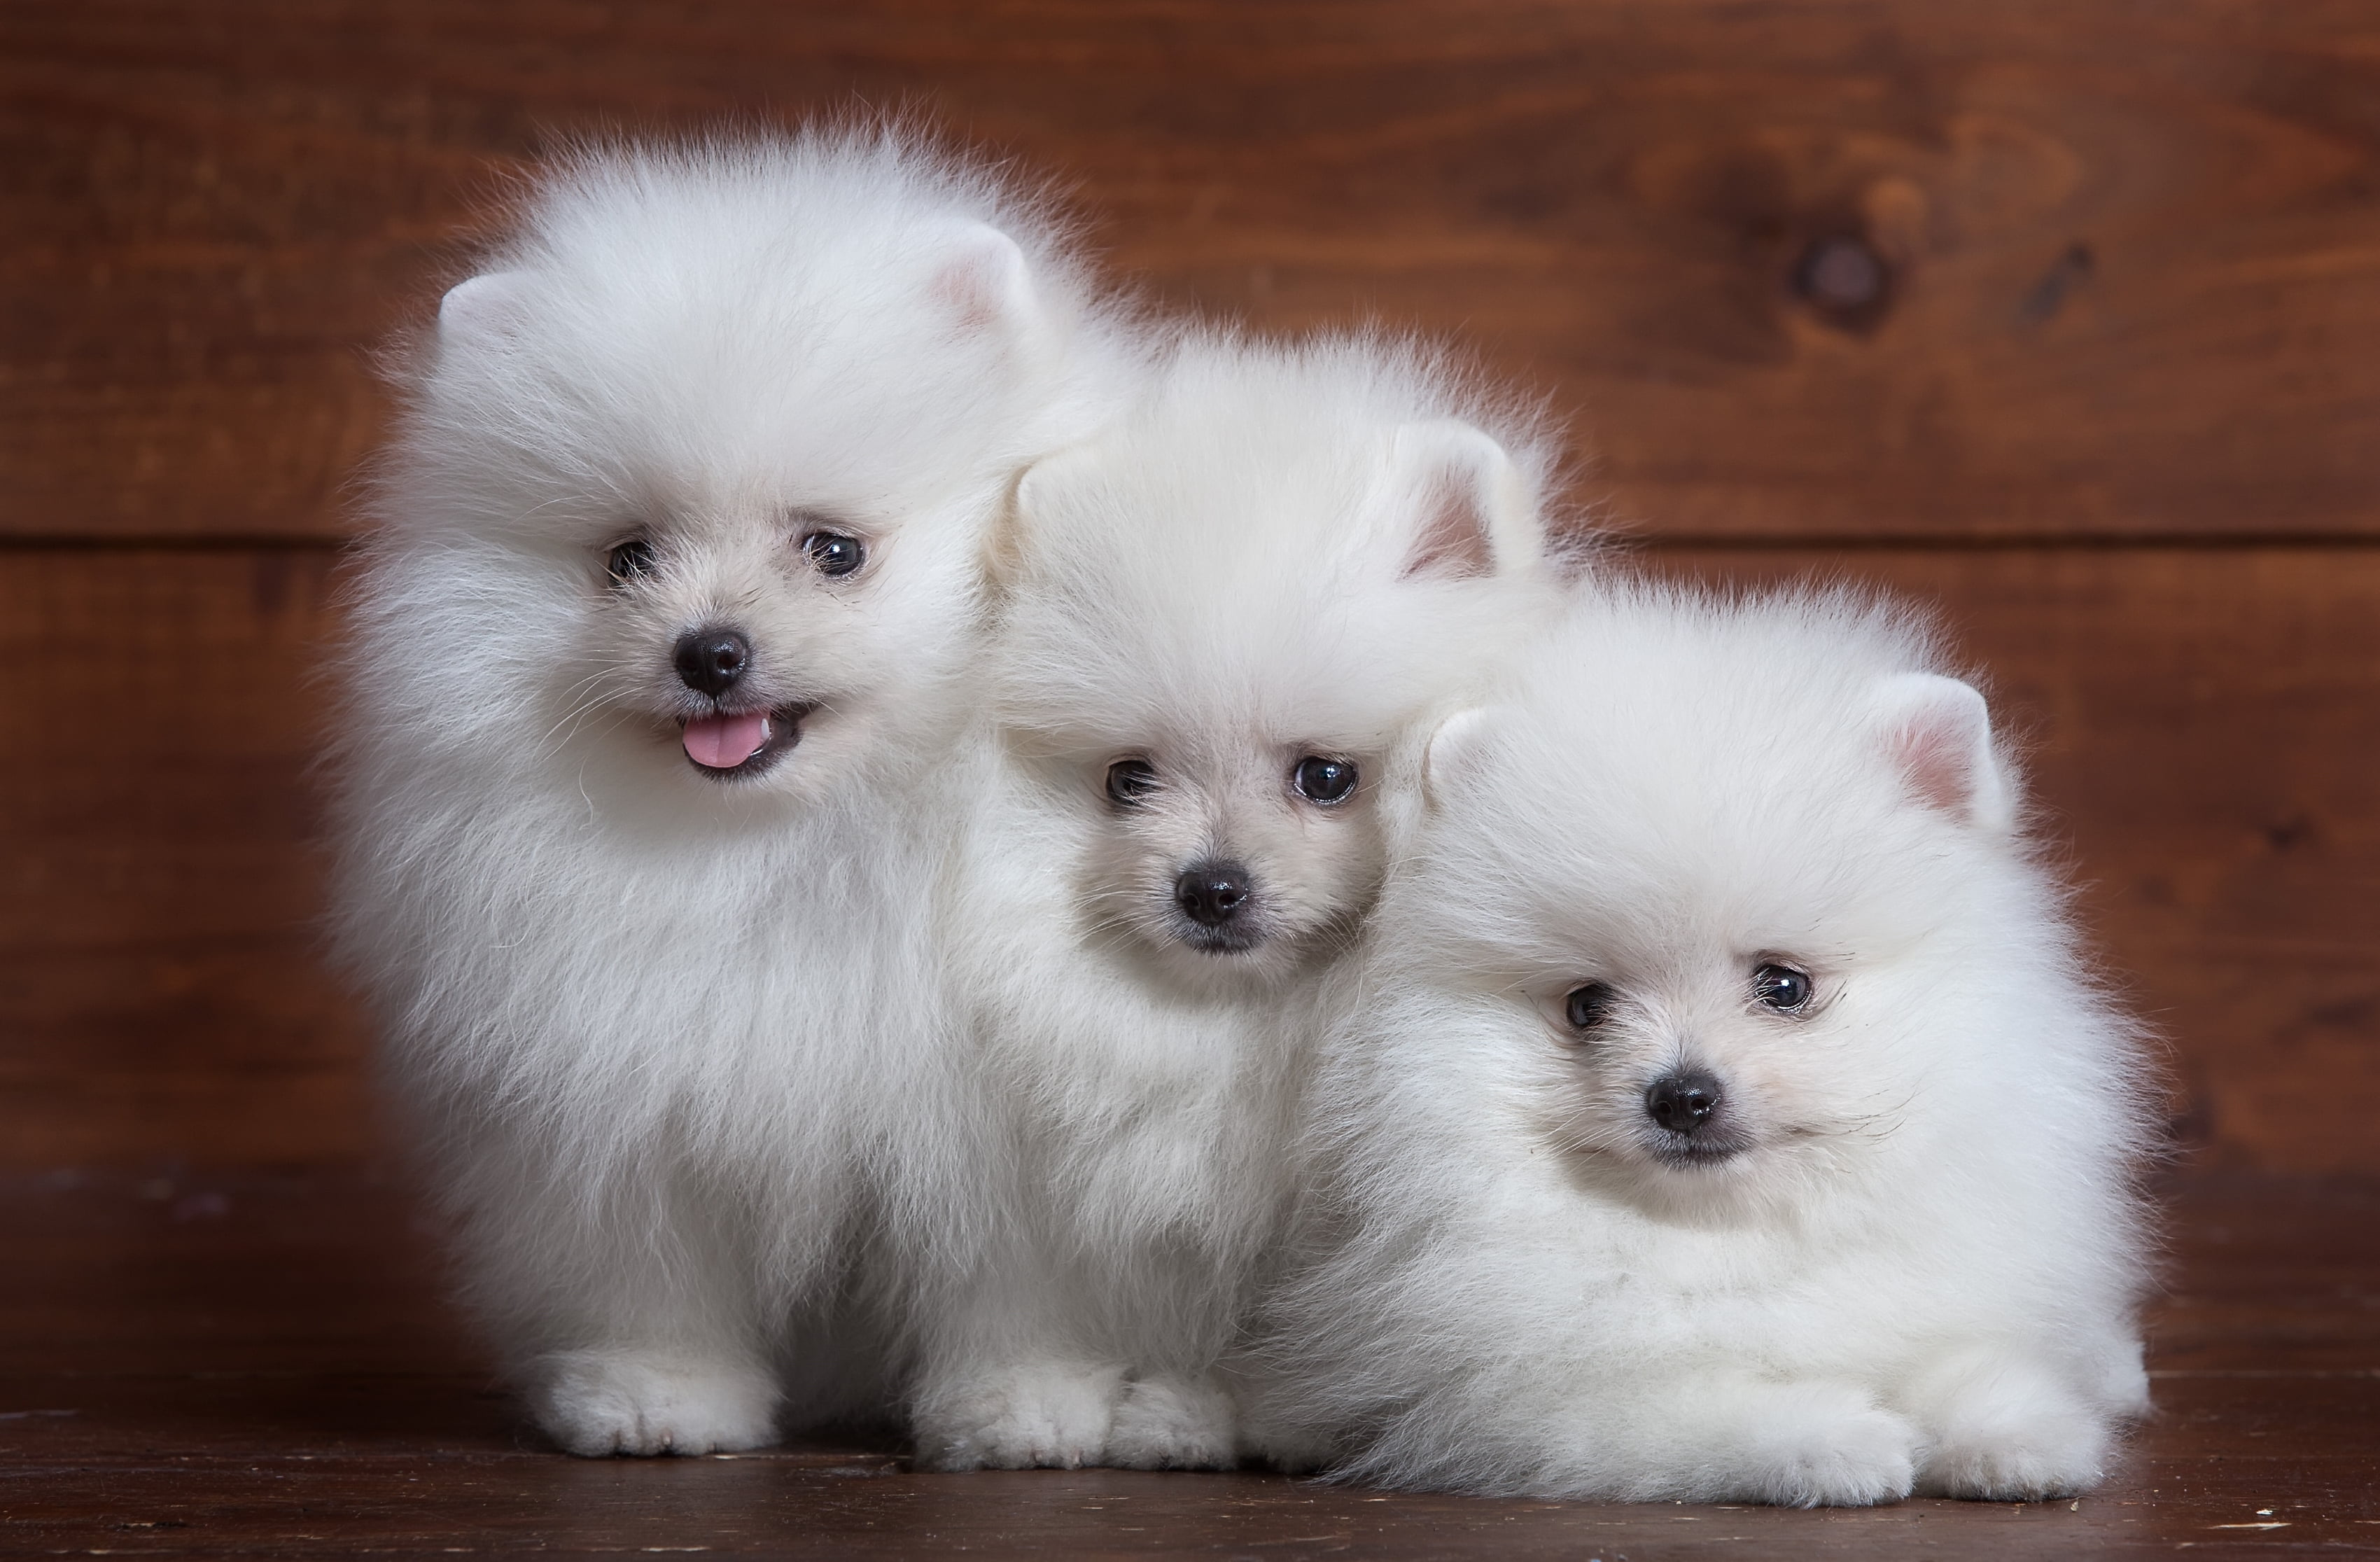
261, 1366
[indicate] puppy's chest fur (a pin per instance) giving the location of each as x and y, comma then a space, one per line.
706, 965
1796, 1288
1127, 1092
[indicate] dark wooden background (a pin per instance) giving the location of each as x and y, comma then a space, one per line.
2114, 407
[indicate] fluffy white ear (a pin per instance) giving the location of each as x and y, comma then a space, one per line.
1039, 485
481, 307
1475, 511
1453, 751
985, 284
1029, 504
1938, 733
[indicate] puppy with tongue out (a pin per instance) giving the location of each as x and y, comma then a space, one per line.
668, 591
730, 742
725, 743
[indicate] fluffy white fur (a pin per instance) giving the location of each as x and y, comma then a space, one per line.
669, 1028
1901, 1254
1280, 554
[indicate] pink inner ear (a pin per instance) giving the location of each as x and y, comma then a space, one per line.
971, 293
1453, 538
1940, 763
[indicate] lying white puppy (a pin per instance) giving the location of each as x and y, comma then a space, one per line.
672, 581
1224, 625
1724, 1110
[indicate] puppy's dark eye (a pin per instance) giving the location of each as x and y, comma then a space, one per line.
629, 561
834, 553
1587, 1008
1322, 780
1781, 987
1130, 781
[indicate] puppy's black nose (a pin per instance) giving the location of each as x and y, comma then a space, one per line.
1212, 892
710, 660
1682, 1102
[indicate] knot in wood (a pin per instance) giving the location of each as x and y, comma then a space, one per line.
1841, 275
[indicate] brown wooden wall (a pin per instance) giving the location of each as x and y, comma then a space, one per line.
2065, 315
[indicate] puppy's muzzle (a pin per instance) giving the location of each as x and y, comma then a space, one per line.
1217, 898
729, 742
1689, 1107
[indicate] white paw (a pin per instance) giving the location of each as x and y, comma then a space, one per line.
1820, 1445
1045, 1415
2006, 1446
1172, 1423
598, 1402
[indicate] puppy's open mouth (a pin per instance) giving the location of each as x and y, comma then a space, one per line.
733, 744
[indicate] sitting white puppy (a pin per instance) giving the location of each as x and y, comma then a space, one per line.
1722, 1109
1225, 623
674, 576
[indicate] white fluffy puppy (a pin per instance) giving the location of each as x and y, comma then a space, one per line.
1724, 1111
1223, 622
674, 570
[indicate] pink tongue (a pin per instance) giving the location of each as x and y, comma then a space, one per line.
725, 742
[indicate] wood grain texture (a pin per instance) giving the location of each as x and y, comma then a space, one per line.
2200, 726
258, 1366
2131, 255
159, 987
